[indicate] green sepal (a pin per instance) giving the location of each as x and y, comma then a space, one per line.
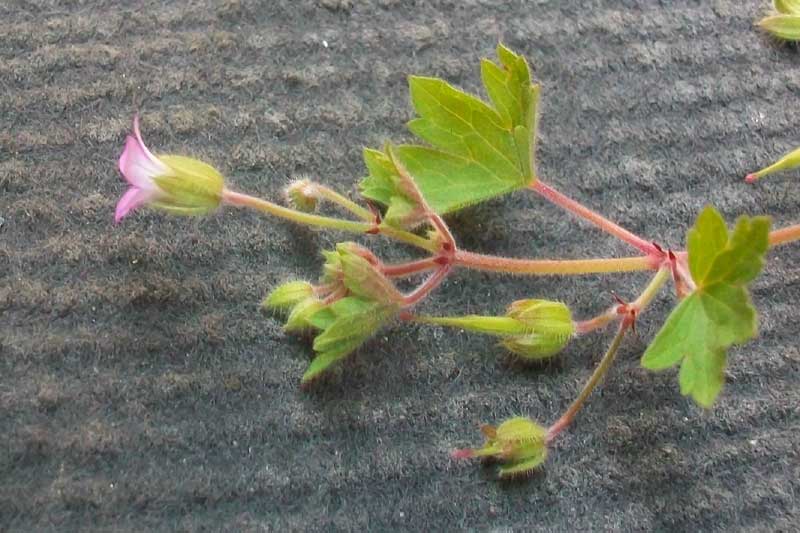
361, 277
346, 324
520, 442
189, 186
784, 27
299, 318
787, 7
301, 195
550, 328
288, 295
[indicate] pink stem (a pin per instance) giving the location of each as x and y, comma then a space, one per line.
597, 219
433, 281
554, 266
583, 327
412, 267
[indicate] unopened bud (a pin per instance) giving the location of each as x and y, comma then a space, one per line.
301, 195
550, 328
363, 278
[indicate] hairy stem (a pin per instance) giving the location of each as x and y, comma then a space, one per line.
332, 196
784, 235
542, 267
265, 206
583, 327
412, 267
433, 281
567, 418
644, 299
595, 218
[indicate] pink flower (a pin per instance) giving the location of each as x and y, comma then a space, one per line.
180, 185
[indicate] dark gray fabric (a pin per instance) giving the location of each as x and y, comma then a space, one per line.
141, 388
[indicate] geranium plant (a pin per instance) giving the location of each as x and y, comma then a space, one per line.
473, 150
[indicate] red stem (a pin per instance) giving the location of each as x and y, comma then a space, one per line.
412, 267
433, 281
597, 219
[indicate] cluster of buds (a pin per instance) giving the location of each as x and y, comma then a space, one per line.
519, 442
302, 195
354, 299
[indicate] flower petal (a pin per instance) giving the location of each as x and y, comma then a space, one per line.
133, 198
137, 164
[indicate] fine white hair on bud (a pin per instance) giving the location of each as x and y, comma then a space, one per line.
301, 194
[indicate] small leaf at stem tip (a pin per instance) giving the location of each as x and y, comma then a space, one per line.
787, 162
288, 295
784, 27
718, 314
519, 442
478, 150
787, 7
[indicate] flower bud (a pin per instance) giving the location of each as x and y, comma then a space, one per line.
550, 328
288, 295
349, 266
301, 195
518, 441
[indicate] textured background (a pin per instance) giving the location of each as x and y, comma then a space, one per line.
141, 388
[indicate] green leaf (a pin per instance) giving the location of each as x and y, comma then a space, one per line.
718, 314
705, 241
478, 150
346, 324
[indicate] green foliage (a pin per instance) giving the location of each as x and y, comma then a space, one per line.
345, 325
718, 313
478, 151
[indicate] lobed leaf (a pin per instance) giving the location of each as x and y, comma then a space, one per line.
478, 150
718, 314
